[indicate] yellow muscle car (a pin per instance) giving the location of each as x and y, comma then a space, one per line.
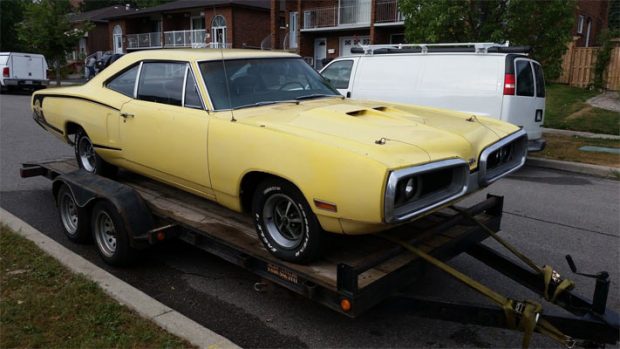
263, 133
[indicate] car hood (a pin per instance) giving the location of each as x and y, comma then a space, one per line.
396, 135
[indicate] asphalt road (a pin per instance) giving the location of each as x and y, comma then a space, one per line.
547, 214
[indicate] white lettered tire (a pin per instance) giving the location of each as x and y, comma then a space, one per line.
285, 224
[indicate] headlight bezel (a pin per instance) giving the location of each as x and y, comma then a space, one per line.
487, 176
410, 209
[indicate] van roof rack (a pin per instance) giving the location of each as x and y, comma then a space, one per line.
474, 47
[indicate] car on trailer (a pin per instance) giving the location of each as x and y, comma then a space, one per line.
263, 133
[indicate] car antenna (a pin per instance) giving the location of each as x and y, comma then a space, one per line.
232, 113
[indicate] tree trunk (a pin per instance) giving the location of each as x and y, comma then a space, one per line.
57, 72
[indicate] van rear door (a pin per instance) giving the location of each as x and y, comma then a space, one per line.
524, 104
28, 67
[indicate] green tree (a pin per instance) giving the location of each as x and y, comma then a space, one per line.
11, 13
544, 25
46, 29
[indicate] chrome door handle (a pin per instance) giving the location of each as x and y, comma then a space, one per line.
126, 115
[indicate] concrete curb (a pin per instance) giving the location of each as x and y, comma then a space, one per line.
574, 167
579, 133
169, 319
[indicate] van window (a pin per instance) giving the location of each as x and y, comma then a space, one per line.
525, 79
125, 82
540, 80
339, 73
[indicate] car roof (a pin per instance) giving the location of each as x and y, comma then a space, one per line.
205, 54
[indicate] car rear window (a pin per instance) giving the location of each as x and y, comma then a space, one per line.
525, 78
540, 80
125, 82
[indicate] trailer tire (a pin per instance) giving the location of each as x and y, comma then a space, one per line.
110, 235
88, 159
284, 222
75, 220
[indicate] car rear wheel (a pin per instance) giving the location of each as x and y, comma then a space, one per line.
88, 159
285, 224
75, 220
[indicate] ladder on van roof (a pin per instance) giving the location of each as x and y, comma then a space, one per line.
472, 47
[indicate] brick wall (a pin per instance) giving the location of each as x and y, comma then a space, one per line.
251, 26
594, 11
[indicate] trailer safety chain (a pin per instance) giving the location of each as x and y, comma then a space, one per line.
547, 272
524, 316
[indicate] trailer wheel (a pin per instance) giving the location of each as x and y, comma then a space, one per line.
75, 220
285, 223
88, 159
110, 235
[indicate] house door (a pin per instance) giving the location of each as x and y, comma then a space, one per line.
117, 39
320, 52
346, 42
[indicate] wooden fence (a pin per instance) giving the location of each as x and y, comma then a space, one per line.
578, 65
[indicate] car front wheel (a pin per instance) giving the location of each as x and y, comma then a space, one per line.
285, 224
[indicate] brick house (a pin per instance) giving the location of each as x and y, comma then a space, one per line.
182, 23
320, 30
591, 19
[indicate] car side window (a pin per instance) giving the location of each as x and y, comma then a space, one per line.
540, 80
339, 73
125, 82
525, 79
162, 82
192, 98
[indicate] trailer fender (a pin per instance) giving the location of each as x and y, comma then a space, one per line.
88, 188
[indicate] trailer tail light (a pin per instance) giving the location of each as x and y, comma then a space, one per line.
509, 85
5, 72
345, 304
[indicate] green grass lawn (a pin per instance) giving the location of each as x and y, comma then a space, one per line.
44, 305
566, 108
566, 148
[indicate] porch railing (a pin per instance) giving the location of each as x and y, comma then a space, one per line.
144, 40
387, 11
355, 12
185, 38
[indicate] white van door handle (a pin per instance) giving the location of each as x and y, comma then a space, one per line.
349, 94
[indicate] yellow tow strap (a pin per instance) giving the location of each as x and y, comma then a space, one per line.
524, 316
547, 272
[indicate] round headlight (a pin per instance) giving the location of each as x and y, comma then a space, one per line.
410, 188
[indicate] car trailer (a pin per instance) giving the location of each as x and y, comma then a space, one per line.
357, 272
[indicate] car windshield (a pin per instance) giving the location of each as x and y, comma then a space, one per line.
239, 83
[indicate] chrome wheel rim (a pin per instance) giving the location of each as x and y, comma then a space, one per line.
86, 153
105, 234
69, 213
284, 221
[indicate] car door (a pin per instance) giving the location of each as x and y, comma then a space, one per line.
164, 129
339, 75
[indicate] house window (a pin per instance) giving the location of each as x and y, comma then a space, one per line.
292, 34
580, 21
218, 32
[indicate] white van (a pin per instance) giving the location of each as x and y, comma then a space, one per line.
487, 79
22, 70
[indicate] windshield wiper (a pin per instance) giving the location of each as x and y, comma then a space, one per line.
258, 104
316, 95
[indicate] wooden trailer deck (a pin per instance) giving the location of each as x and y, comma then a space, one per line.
237, 230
